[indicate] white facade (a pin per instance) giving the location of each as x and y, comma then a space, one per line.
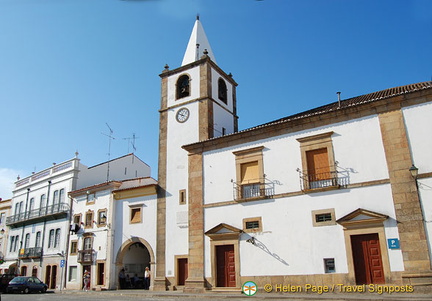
40, 219
116, 230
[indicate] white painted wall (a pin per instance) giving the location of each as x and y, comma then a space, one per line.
122, 168
418, 123
288, 232
357, 147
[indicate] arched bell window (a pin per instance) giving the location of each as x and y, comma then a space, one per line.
183, 86
222, 90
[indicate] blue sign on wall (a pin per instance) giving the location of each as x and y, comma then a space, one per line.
62, 263
393, 243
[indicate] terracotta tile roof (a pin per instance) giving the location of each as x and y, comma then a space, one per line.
117, 185
354, 101
135, 183
346, 103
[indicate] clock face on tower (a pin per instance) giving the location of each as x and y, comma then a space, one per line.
182, 115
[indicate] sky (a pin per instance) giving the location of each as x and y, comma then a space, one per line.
71, 70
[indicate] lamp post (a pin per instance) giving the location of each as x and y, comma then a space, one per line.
414, 173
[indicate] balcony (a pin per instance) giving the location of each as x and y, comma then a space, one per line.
322, 180
51, 212
86, 256
259, 189
30, 253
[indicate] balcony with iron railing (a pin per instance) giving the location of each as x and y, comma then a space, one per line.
30, 253
50, 212
326, 179
253, 189
86, 256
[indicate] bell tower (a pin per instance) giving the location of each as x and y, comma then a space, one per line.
198, 102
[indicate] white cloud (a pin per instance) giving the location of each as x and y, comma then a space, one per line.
7, 180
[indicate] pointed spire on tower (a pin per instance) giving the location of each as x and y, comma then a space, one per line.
198, 43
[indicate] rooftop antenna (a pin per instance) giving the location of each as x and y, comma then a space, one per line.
339, 99
133, 138
110, 137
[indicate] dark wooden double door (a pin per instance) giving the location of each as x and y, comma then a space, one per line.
368, 266
225, 266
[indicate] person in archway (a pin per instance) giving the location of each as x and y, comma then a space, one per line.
86, 279
122, 279
147, 275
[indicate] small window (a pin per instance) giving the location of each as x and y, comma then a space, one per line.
183, 86
182, 197
329, 265
102, 217
252, 224
73, 272
89, 219
90, 198
223, 131
325, 217
77, 219
222, 90
74, 247
135, 215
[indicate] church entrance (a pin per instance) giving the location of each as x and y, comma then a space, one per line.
136, 258
225, 262
368, 266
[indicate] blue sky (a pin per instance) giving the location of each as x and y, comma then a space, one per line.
68, 67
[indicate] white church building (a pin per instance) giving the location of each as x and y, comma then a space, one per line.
321, 197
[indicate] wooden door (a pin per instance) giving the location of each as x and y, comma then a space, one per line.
182, 273
225, 262
48, 275
368, 265
318, 165
53, 277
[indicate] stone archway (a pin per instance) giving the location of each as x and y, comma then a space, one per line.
134, 256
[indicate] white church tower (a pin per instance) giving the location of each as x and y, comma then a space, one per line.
198, 102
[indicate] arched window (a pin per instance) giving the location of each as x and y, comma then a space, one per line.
38, 238
183, 86
51, 238
222, 90
27, 241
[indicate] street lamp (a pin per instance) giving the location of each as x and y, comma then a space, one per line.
414, 171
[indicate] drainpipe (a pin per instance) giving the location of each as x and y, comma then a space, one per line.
23, 228
44, 226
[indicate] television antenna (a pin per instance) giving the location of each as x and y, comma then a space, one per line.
110, 137
133, 138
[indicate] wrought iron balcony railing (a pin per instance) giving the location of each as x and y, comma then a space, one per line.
327, 179
86, 256
30, 253
258, 188
44, 212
